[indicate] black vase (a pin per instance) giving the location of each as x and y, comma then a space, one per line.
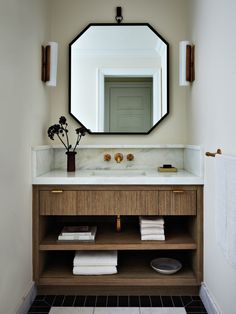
71, 161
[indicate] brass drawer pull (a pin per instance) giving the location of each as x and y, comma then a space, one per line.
178, 191
57, 191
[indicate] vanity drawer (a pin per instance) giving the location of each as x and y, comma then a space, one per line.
57, 202
178, 202
117, 202
138, 202
98, 202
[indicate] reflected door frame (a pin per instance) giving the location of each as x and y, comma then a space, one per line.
132, 72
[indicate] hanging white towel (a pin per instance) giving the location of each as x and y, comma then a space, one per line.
225, 172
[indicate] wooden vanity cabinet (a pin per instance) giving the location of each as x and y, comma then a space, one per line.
55, 206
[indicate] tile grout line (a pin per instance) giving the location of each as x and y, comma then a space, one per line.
150, 300
63, 300
117, 302
85, 300
161, 301
74, 301
187, 303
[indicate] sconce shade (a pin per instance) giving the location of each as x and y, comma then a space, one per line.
186, 63
49, 64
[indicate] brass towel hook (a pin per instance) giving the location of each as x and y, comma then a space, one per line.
219, 152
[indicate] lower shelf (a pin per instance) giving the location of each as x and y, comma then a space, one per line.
133, 270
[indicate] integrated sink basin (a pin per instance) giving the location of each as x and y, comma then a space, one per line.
118, 173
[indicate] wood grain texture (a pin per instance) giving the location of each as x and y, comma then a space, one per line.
117, 290
35, 233
110, 200
58, 203
177, 202
129, 239
129, 274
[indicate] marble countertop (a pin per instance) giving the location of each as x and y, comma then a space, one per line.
93, 177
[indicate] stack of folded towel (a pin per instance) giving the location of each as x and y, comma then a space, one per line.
95, 263
152, 228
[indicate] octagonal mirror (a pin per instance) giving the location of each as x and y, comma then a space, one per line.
118, 80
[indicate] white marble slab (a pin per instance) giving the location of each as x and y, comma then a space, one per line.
105, 177
144, 158
49, 165
193, 160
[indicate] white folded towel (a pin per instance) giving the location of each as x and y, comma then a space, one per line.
153, 237
94, 270
151, 220
152, 230
95, 258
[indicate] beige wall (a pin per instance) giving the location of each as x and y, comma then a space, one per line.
211, 122
24, 117
167, 17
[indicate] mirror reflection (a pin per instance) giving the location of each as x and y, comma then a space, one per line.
119, 78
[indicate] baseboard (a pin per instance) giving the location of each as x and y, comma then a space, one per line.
27, 299
208, 300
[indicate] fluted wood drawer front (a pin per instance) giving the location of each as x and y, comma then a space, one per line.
58, 202
138, 202
178, 202
96, 202
117, 202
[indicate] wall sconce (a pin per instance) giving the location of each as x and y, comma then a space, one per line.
186, 63
49, 64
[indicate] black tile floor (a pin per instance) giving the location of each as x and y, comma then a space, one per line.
43, 303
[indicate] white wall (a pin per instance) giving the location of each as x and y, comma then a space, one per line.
211, 122
85, 79
168, 17
24, 118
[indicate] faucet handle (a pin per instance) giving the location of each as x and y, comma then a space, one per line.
130, 157
107, 157
118, 157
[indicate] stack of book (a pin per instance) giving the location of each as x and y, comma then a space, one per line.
78, 233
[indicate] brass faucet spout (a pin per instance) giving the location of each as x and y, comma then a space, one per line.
118, 157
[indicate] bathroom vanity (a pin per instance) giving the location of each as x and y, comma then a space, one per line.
95, 196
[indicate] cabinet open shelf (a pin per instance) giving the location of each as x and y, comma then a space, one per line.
95, 205
133, 270
129, 239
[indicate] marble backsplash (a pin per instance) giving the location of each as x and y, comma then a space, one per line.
47, 158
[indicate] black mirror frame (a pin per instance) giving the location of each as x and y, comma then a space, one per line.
119, 25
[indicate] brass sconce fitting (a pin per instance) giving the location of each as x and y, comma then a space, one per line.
118, 157
107, 157
130, 157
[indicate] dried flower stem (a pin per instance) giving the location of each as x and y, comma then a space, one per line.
77, 141
67, 148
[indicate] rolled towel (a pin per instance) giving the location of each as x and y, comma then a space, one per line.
95, 258
153, 237
152, 230
94, 270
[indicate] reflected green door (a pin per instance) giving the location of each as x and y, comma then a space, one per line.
128, 107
